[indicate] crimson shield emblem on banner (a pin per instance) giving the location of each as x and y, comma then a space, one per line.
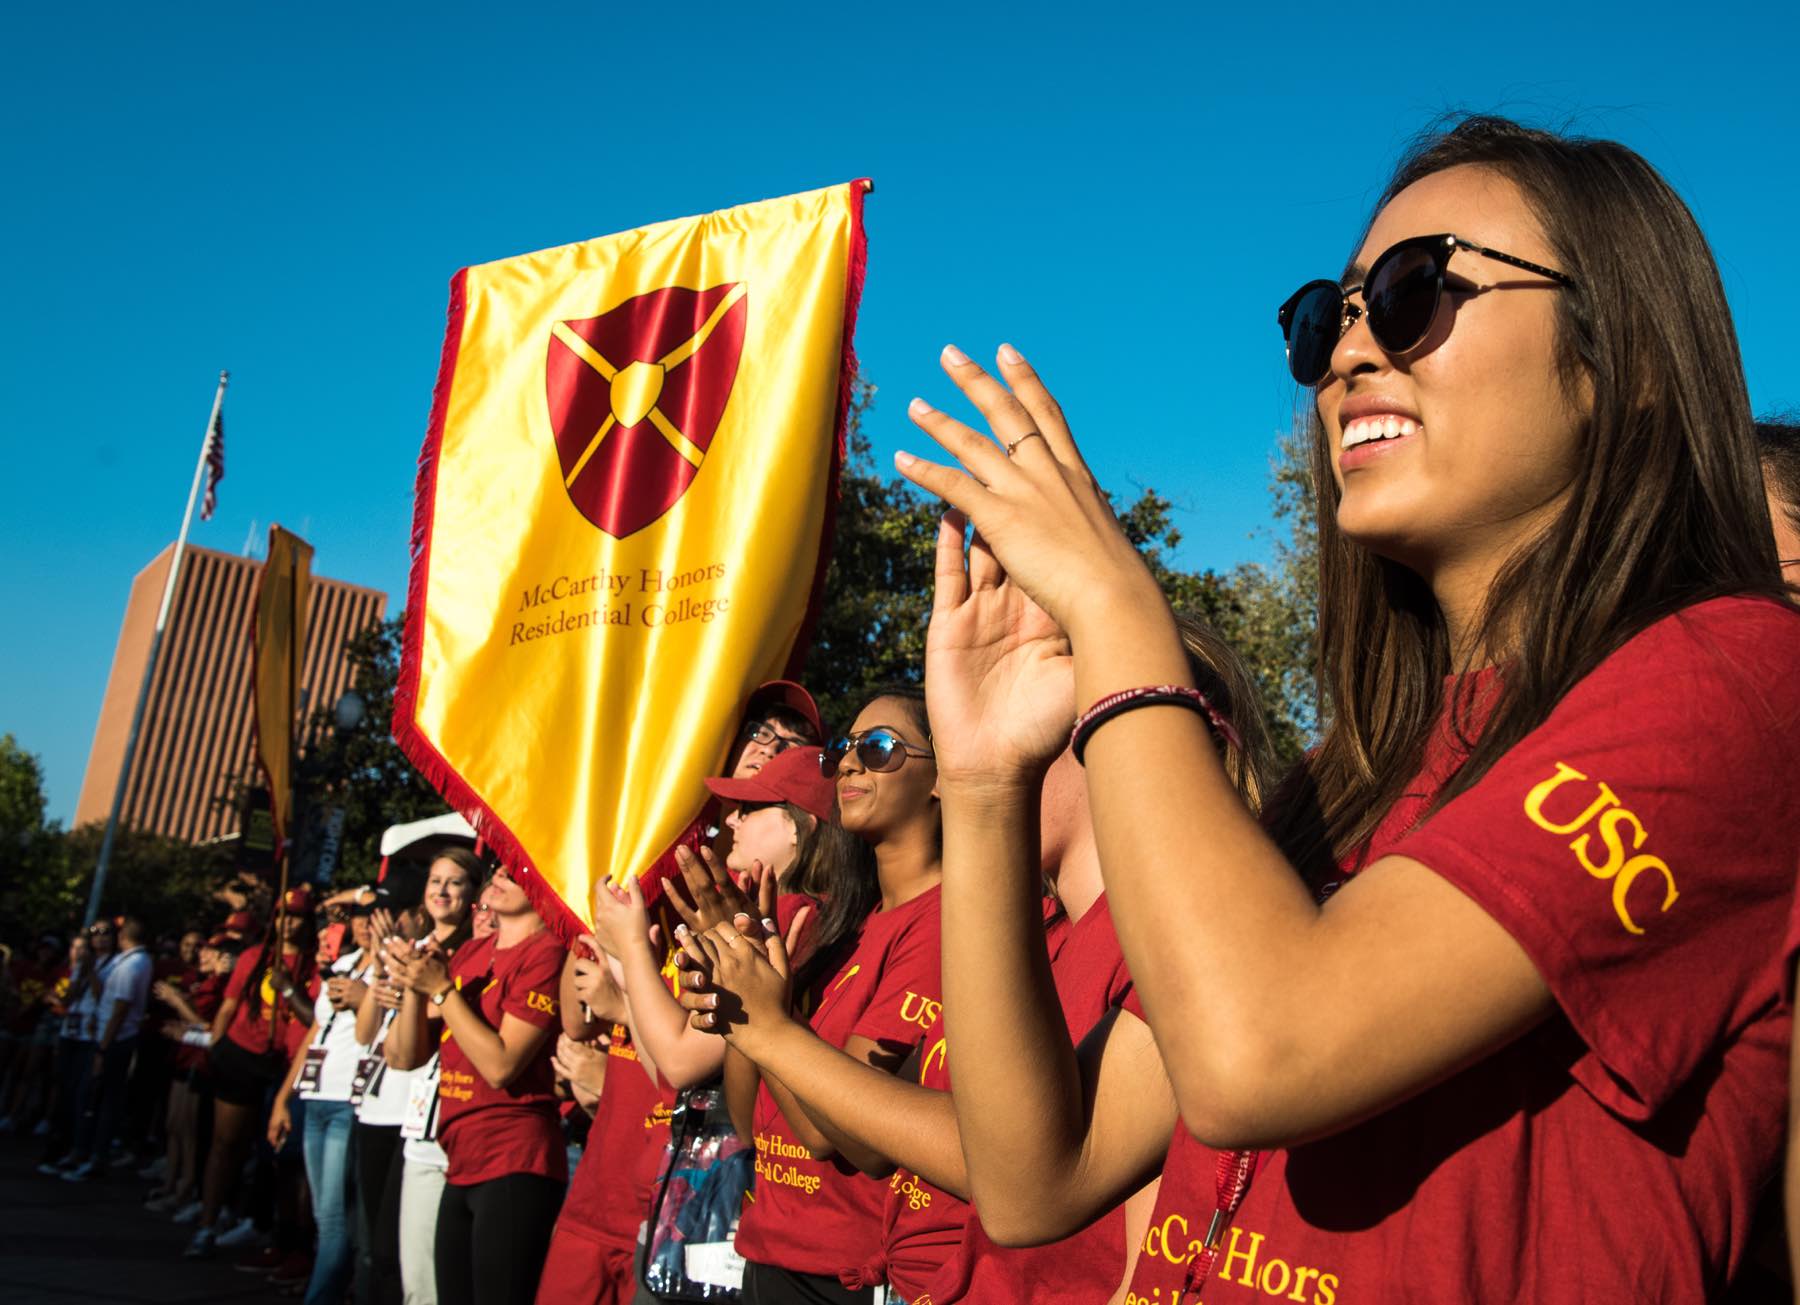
635, 397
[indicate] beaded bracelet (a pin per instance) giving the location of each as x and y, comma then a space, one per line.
1154, 695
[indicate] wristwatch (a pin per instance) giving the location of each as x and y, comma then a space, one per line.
437, 998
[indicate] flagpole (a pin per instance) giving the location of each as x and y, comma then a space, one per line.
156, 635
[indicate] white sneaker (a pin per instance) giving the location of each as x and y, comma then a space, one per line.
190, 1212
155, 1169
52, 1168
42, 1129
201, 1247
86, 1171
244, 1234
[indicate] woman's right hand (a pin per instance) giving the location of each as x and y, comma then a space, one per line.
583, 1064
281, 1123
999, 678
621, 920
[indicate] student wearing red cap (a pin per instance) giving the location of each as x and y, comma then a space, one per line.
496, 1003
651, 1053
817, 1209
264, 1018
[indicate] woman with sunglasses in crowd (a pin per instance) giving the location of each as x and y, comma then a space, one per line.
495, 1003
1058, 954
650, 1046
817, 1208
1513, 1030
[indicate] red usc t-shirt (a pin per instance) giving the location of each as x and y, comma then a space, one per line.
922, 1224
259, 1012
1091, 979
205, 996
605, 1201
823, 1216
613, 1186
490, 1132
1641, 845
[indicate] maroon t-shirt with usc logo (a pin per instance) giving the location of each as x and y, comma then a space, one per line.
1091, 979
1641, 846
489, 1132
252, 1027
823, 1216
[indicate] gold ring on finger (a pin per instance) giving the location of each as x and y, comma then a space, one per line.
1029, 435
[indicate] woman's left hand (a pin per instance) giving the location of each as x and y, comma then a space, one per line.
749, 992
1030, 495
424, 972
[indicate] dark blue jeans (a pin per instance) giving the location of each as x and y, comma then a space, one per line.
103, 1099
74, 1058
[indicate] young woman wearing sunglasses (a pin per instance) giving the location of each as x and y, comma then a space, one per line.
817, 1212
1514, 1030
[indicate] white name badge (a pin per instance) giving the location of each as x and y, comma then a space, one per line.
421, 1098
717, 1264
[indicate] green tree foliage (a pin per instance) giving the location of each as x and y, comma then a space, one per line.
45, 872
871, 629
362, 769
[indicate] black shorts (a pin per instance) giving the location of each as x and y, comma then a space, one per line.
240, 1077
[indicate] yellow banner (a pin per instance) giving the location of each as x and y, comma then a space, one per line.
280, 642
622, 522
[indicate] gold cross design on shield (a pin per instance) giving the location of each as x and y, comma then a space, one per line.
637, 386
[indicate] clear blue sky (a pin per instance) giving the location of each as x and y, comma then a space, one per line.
1126, 192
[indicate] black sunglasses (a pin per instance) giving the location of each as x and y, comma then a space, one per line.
876, 749
1401, 294
758, 731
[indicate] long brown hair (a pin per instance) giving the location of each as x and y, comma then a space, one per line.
1222, 675
1666, 508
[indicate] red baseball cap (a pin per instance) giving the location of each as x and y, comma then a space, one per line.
793, 776
239, 922
785, 693
299, 899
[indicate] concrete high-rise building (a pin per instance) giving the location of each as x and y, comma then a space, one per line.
195, 747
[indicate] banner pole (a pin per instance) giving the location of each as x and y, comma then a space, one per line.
156, 636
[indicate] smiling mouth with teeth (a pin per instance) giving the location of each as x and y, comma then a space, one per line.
1384, 427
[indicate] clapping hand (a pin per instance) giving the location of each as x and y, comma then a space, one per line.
715, 898
583, 1064
747, 995
1031, 497
621, 920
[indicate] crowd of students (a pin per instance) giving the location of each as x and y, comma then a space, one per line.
1038, 983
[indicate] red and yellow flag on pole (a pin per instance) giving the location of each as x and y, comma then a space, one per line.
279, 643
622, 523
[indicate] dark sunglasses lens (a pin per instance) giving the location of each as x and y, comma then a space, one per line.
880, 751
1402, 295
832, 754
1312, 331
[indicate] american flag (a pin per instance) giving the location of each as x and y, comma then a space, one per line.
215, 464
